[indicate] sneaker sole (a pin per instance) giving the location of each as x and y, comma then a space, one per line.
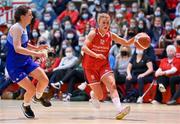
124, 112
55, 87
27, 116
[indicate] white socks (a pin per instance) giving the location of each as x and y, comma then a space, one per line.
27, 103
117, 103
38, 95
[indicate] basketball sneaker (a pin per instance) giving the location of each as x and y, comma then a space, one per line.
95, 102
27, 111
162, 89
44, 102
139, 100
123, 113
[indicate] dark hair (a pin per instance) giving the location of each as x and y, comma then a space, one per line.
21, 10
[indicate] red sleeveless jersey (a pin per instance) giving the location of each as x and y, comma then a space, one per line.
100, 45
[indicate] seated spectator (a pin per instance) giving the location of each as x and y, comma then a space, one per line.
168, 67
69, 11
34, 36
71, 78
168, 37
56, 41
121, 63
67, 63
139, 70
85, 17
174, 80
156, 31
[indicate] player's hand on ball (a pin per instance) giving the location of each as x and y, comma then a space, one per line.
100, 56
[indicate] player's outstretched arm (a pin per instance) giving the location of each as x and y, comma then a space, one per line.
87, 43
122, 41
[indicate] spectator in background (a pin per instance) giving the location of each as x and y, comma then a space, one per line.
43, 31
157, 31
34, 36
168, 67
142, 27
139, 70
60, 5
158, 12
168, 37
70, 36
67, 64
171, 8
38, 6
48, 19
121, 63
85, 17
111, 11
132, 30
56, 41
70, 11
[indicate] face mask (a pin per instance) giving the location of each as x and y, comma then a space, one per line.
157, 25
3, 42
111, 9
71, 8
114, 30
140, 26
178, 42
141, 15
139, 52
49, 9
98, 9
33, 9
170, 56
47, 18
124, 53
157, 13
85, 16
134, 10
119, 15
35, 34
178, 31
55, 27
132, 25
70, 35
123, 9
168, 28
57, 35
67, 27
41, 28
69, 54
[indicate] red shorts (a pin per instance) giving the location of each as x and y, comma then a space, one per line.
95, 75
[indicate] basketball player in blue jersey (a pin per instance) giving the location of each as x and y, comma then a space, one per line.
19, 62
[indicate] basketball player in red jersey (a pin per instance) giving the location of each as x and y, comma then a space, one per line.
96, 65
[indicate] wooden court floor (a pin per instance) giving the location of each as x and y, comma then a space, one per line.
84, 113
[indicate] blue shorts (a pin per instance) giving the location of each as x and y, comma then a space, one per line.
18, 73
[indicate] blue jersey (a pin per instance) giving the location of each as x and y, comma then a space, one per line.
15, 59
18, 65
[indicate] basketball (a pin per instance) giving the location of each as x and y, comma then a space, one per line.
142, 41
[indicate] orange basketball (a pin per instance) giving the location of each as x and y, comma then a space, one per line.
142, 41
